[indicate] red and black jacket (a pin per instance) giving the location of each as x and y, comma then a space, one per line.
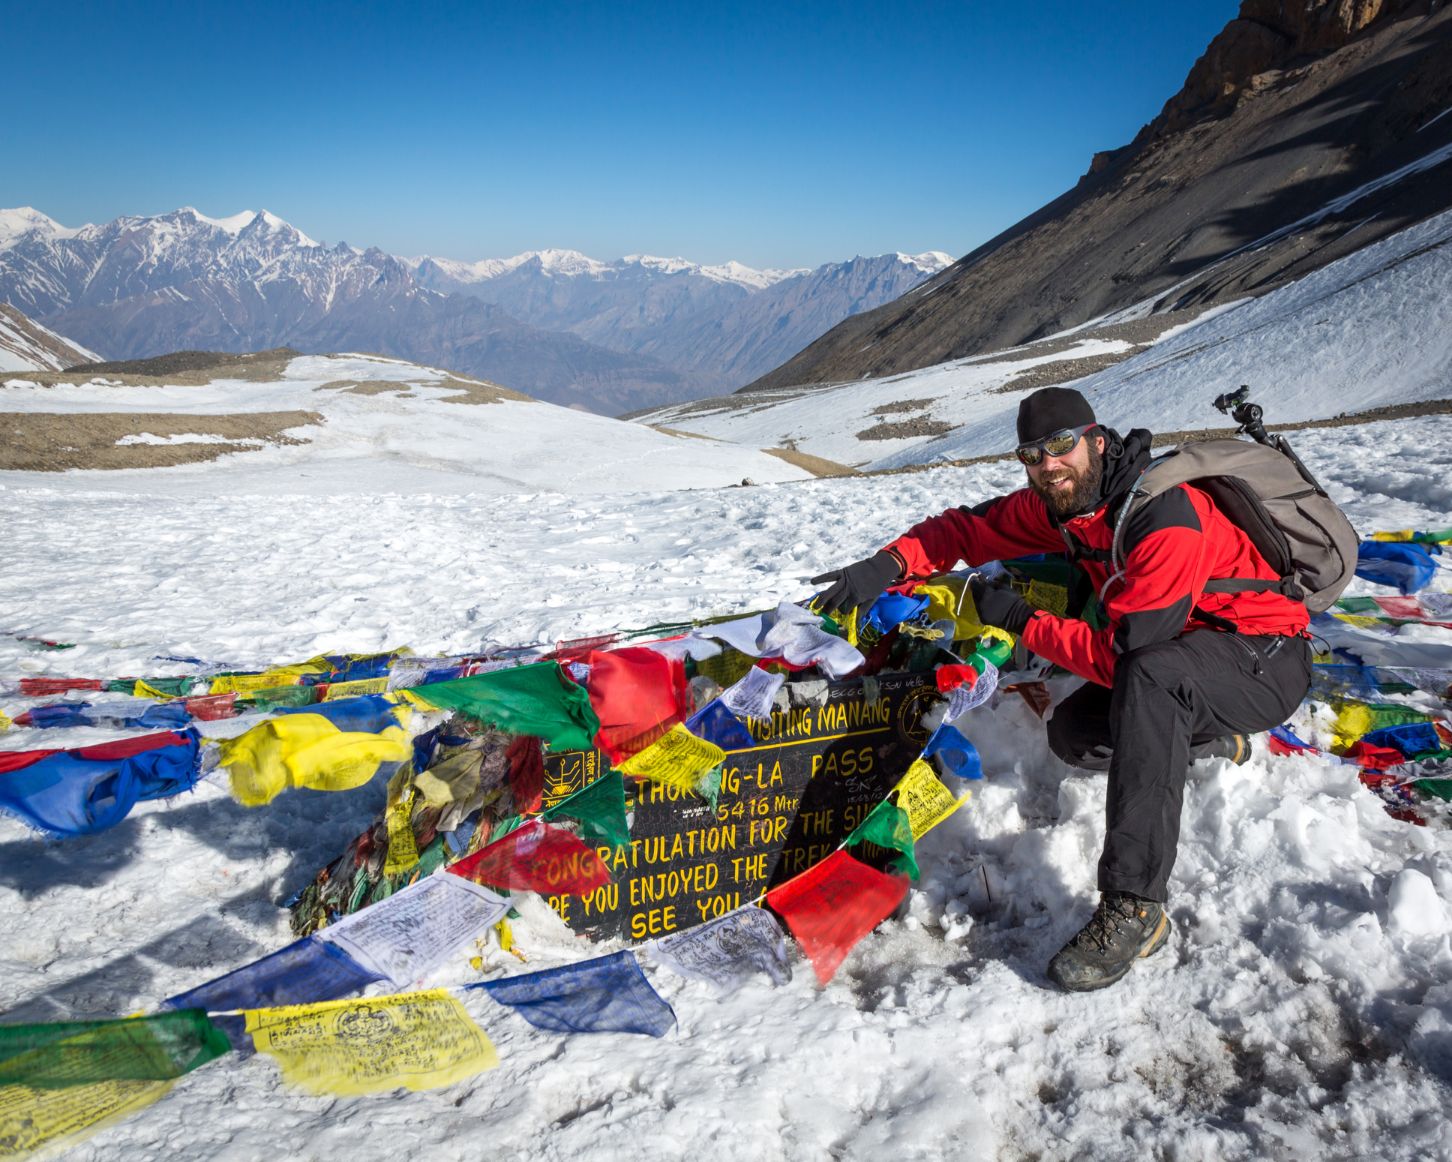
1172, 546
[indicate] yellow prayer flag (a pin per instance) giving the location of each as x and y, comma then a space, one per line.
5, 722
677, 759
31, 1118
306, 750
1042, 595
248, 683
1398, 535
415, 1040
142, 689
922, 795
356, 687
1361, 621
402, 848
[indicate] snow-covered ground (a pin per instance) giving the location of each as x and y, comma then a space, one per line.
410, 429
1372, 329
1302, 1008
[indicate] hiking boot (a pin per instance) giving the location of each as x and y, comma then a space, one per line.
1235, 747
1123, 929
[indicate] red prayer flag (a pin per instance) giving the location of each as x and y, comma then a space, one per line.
950, 677
1403, 607
526, 773
1371, 757
210, 707
833, 905
638, 695
536, 858
1036, 694
41, 687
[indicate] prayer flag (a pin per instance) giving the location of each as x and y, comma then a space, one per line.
537, 858
33, 1119
676, 759
887, 826
968, 697
367, 714
754, 694
533, 699
525, 761
715, 723
638, 695
91, 788
354, 687
1404, 566
729, 950
950, 677
599, 809
955, 751
606, 995
1414, 739
409, 935
833, 905
398, 823
1283, 741
305, 749
211, 707
304, 971
892, 609
45, 687
950, 599
921, 794
65, 1053
416, 1040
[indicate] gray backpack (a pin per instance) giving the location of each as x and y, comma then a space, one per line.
1271, 496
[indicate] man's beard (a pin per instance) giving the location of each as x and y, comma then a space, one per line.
1082, 495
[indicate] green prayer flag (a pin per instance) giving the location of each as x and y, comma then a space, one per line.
887, 826
276, 696
599, 809
535, 699
1359, 605
155, 1048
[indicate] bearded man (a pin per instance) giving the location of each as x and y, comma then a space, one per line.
1174, 672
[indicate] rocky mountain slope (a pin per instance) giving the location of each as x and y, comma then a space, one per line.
608, 337
1309, 129
27, 346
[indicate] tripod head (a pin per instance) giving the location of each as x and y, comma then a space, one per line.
1248, 415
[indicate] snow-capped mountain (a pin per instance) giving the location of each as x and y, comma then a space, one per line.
27, 346
607, 336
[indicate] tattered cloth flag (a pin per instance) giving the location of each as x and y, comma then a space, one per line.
1402, 565
411, 933
533, 699
606, 995
156, 1048
955, 751
318, 748
887, 826
91, 788
32, 1119
789, 632
306, 970
729, 950
833, 905
677, 759
415, 1040
536, 858
754, 695
638, 695
599, 809
716, 724
966, 697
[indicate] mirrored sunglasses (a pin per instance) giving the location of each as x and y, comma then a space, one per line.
1059, 443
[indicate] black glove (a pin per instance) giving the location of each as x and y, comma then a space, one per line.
858, 584
1000, 607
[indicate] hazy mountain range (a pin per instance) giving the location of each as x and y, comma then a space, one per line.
558, 325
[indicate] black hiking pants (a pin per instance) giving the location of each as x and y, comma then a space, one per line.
1168, 699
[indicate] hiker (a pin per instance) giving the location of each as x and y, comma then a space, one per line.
1176, 672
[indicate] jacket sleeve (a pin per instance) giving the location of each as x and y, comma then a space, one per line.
1165, 570
1015, 525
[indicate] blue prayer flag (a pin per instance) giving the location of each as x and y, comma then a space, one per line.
307, 970
958, 754
715, 723
1404, 566
606, 995
1412, 739
367, 714
892, 609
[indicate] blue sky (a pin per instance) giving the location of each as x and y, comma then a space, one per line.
777, 134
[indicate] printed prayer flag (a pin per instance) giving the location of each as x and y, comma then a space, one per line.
402, 847
409, 935
716, 724
90, 788
955, 752
416, 1041
968, 697
729, 950
887, 826
65, 1053
949, 599
35, 1119
833, 905
892, 609
534, 699
606, 995
525, 762
304, 971
921, 794
536, 858
599, 809
355, 687
677, 759
754, 694
305, 749
638, 695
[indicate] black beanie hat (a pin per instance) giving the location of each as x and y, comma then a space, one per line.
1051, 409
